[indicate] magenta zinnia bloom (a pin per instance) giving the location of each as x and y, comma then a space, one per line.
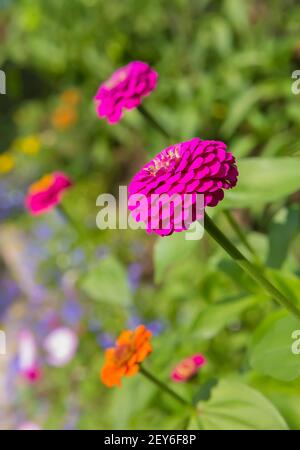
125, 90
46, 193
192, 167
188, 368
27, 353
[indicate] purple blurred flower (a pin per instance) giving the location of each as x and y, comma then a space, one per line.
105, 340
156, 327
102, 251
9, 292
134, 275
134, 321
71, 312
78, 256
43, 231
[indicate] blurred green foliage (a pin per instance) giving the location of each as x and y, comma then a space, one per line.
224, 73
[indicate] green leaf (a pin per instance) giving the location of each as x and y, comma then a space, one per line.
169, 251
283, 229
107, 282
235, 406
215, 317
263, 180
271, 349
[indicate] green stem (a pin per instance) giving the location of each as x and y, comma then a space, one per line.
164, 387
153, 121
248, 267
69, 219
241, 235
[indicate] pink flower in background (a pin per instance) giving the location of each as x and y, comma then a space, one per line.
29, 426
188, 368
28, 366
46, 193
192, 167
125, 90
60, 345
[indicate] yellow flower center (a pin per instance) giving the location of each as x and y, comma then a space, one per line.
164, 161
42, 185
186, 369
116, 79
123, 353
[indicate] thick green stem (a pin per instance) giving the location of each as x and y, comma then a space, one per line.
248, 267
165, 388
241, 235
153, 121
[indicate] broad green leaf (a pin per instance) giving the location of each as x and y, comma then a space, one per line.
215, 317
107, 282
285, 396
169, 251
272, 351
283, 229
235, 406
263, 180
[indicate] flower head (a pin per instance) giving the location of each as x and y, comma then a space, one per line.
64, 116
163, 194
30, 145
125, 90
46, 193
28, 366
71, 97
131, 348
61, 345
188, 368
7, 162
25, 426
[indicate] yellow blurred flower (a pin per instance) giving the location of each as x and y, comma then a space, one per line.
63, 117
71, 97
30, 145
7, 162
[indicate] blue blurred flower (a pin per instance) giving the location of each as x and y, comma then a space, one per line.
105, 340
9, 292
156, 327
134, 275
71, 312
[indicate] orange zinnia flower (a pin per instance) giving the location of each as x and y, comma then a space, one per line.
70, 97
131, 348
63, 117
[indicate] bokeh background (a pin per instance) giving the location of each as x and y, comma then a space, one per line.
224, 73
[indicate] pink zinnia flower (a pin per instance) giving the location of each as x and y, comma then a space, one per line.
29, 368
192, 167
125, 90
29, 426
46, 193
188, 368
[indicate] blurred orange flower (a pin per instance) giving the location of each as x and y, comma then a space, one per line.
63, 117
131, 348
71, 97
